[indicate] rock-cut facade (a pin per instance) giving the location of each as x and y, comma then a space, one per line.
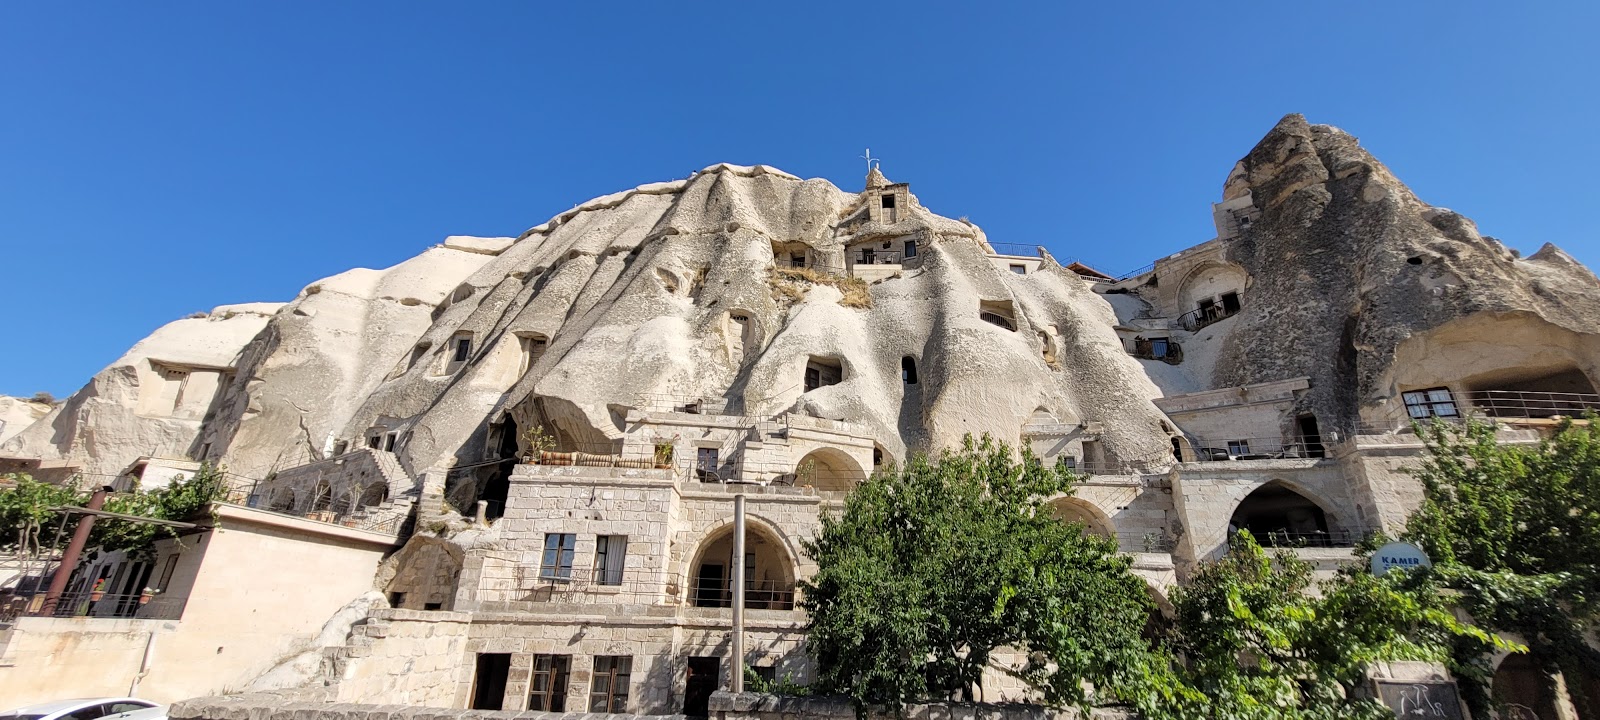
562, 419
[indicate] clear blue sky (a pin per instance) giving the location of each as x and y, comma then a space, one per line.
159, 159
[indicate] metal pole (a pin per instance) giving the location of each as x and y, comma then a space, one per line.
69, 559
736, 685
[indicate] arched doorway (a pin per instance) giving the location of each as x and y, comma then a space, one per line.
769, 569
1072, 509
829, 470
374, 495
1279, 516
1525, 688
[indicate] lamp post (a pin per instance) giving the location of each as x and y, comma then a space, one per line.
736, 683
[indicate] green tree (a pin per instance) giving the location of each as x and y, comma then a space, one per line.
934, 567
26, 506
184, 499
1516, 529
1252, 639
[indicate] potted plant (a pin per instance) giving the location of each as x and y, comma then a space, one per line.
98, 591
663, 454
536, 442
146, 596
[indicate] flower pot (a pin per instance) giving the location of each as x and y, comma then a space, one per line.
145, 599
96, 595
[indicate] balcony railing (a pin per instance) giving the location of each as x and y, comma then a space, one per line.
767, 595
1015, 249
1163, 349
158, 606
1530, 404
1274, 448
1318, 539
385, 517
1198, 318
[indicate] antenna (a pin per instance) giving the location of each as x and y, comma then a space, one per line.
870, 159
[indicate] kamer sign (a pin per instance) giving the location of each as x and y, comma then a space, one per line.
1398, 555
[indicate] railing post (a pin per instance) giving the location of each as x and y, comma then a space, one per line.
69, 559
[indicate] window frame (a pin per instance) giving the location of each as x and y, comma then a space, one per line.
555, 672
618, 671
604, 547
1427, 400
556, 560
1238, 447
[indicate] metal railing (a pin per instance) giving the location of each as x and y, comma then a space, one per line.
1272, 448
1015, 249
1198, 318
1144, 542
1335, 538
762, 595
85, 603
1136, 273
386, 517
877, 257
1171, 351
1530, 403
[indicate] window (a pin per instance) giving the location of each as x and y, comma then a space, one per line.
911, 248
611, 552
549, 693
532, 349
608, 689
994, 319
388, 442
1238, 447
1230, 303
1158, 347
1019, 269
1433, 402
463, 347
375, 441
888, 202
558, 556
705, 465
433, 606
822, 372
166, 573
767, 673
908, 370
396, 599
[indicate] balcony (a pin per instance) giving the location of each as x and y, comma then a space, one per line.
1275, 448
86, 604
1198, 318
771, 595
1163, 349
1529, 404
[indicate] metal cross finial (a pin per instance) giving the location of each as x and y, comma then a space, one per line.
870, 159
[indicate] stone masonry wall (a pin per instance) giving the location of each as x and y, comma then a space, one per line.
405, 656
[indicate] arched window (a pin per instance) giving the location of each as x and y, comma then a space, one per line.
908, 370
769, 571
1278, 516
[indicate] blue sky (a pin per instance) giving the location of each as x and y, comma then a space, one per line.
159, 159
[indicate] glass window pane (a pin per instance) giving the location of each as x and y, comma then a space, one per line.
1418, 411
1413, 398
1439, 395
1447, 409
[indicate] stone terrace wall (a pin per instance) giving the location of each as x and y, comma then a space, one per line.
756, 706
724, 706
406, 656
271, 706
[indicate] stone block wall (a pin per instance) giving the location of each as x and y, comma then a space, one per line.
1207, 494
405, 656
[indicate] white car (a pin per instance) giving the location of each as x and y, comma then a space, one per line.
88, 709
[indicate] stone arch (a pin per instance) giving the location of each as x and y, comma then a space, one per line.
1075, 509
1209, 280
829, 469
1282, 513
769, 584
282, 501
374, 495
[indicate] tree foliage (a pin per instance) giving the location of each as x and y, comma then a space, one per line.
935, 566
1252, 640
27, 506
1516, 529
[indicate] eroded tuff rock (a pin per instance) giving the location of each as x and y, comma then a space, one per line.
1347, 265
656, 295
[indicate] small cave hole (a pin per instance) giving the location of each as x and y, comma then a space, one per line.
1414, 260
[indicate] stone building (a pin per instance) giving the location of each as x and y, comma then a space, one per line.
566, 416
